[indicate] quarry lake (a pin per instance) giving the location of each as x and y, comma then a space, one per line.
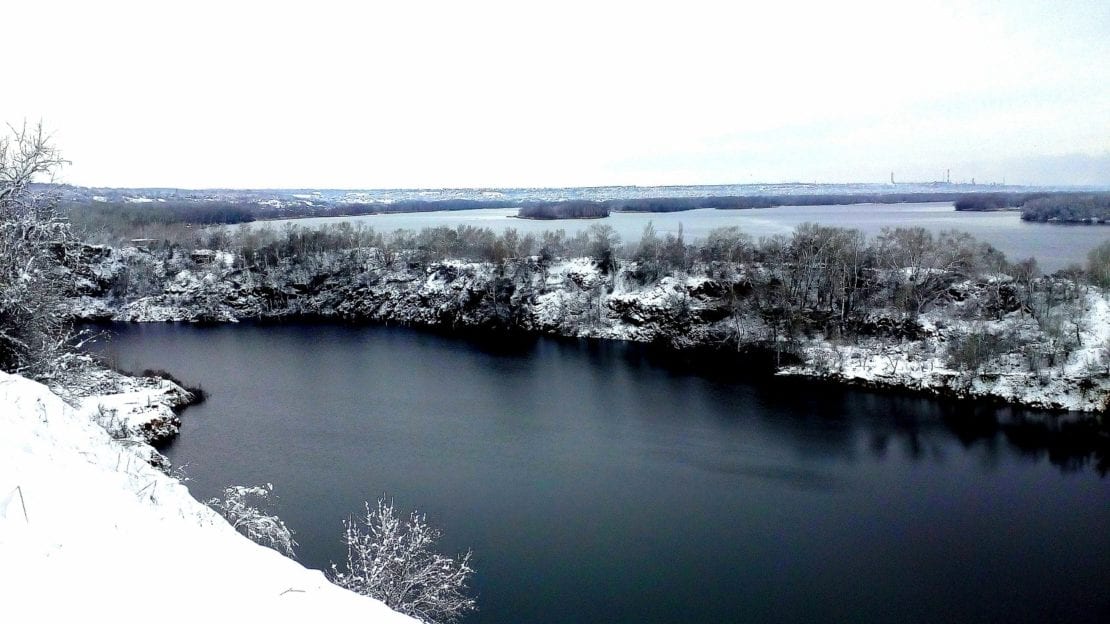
1053, 245
607, 482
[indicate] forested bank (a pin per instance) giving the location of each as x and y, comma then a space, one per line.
120, 221
1085, 208
593, 209
943, 314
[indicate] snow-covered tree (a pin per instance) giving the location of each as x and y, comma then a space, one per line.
247, 509
35, 336
392, 560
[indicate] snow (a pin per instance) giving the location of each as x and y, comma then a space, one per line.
89, 531
923, 365
1094, 334
573, 297
138, 408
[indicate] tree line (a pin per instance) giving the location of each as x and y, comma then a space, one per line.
1074, 207
600, 208
769, 291
989, 202
150, 219
1071, 208
576, 209
739, 202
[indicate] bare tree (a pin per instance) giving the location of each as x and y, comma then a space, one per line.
36, 244
1025, 273
392, 560
922, 266
1098, 265
727, 244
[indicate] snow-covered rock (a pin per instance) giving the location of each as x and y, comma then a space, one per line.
89, 531
706, 307
1080, 384
137, 408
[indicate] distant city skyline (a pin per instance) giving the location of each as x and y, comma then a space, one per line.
492, 94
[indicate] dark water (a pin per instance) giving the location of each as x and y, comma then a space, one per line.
599, 483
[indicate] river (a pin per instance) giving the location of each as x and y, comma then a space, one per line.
605, 482
1055, 246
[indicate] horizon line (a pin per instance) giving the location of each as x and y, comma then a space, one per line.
936, 183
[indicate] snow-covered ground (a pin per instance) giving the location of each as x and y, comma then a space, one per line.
89, 531
1078, 384
140, 409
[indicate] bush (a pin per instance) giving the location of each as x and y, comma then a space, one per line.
972, 350
246, 508
392, 560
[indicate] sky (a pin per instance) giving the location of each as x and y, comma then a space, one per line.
484, 94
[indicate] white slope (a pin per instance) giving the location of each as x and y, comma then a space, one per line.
90, 532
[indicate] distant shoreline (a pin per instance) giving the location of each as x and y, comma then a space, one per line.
517, 216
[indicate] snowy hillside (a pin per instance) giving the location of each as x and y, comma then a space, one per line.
91, 532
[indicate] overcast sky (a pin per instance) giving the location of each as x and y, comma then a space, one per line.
428, 94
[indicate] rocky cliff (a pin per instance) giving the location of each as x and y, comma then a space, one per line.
977, 340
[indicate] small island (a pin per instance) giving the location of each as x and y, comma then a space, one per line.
1080, 208
1087, 209
577, 209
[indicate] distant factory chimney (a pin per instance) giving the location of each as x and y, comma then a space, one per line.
892, 177
948, 176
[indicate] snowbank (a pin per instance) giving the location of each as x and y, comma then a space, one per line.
89, 531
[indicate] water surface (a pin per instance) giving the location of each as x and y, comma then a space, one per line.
1055, 246
605, 483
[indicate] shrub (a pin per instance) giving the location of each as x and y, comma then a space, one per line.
972, 350
247, 509
392, 560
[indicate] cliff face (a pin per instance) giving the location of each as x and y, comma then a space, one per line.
569, 298
977, 340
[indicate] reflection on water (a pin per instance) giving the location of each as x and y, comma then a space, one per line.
606, 482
